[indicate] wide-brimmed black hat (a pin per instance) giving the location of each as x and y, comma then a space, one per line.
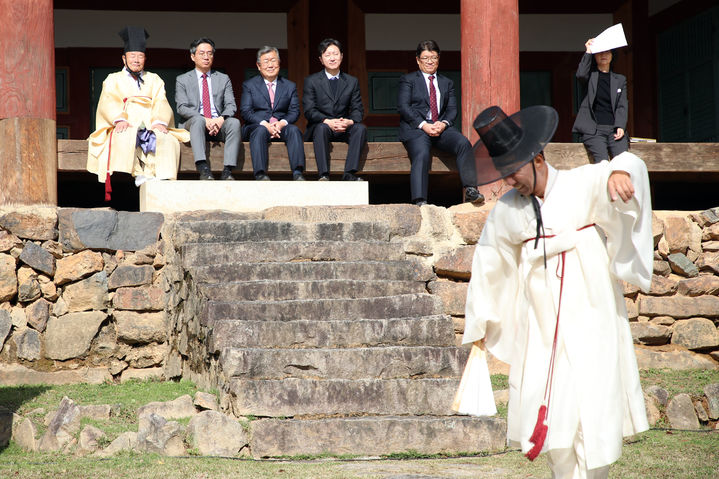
134, 38
508, 143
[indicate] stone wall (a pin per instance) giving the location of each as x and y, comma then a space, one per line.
81, 291
97, 295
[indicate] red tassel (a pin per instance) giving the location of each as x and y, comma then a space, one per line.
539, 434
108, 188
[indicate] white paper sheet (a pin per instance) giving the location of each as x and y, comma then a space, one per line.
612, 37
474, 395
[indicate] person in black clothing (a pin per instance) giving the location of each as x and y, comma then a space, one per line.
602, 116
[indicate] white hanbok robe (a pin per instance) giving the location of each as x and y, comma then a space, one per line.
513, 300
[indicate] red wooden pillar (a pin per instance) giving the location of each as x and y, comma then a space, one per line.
490, 62
28, 145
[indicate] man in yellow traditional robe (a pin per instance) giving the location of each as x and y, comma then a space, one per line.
134, 123
558, 244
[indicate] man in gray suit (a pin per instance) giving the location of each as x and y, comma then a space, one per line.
206, 103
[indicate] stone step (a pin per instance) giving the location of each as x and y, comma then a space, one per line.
373, 436
307, 270
268, 290
292, 397
388, 362
282, 251
381, 307
212, 231
423, 331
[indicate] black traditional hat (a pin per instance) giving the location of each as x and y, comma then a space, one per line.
508, 143
134, 38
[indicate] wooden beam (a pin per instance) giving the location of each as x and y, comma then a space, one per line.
391, 157
357, 65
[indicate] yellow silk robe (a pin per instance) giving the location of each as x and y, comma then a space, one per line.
109, 151
513, 301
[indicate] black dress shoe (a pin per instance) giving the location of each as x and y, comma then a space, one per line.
298, 176
420, 202
227, 173
204, 169
472, 195
324, 178
262, 177
351, 177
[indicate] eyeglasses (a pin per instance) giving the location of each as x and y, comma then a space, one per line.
269, 61
205, 54
432, 59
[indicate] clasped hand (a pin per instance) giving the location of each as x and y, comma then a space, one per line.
123, 125
434, 129
338, 125
213, 125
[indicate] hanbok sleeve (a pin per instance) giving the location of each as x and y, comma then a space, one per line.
628, 226
161, 110
492, 296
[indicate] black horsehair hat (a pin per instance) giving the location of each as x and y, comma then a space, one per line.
134, 38
510, 142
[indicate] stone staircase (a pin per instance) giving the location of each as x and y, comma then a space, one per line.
324, 335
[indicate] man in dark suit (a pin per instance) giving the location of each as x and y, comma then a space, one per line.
427, 108
333, 107
269, 106
206, 103
602, 116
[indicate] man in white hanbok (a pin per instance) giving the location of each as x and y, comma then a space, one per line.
546, 297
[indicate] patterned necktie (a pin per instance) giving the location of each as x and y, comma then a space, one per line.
272, 100
433, 100
206, 108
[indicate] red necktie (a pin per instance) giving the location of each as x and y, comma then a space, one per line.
433, 100
272, 100
206, 108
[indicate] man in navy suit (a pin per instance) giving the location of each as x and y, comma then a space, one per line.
333, 107
206, 103
427, 108
269, 105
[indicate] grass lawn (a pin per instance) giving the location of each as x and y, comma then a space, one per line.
654, 454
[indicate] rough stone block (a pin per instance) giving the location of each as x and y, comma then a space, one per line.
662, 286
5, 326
214, 434
650, 334
78, 266
701, 285
30, 222
662, 268
15, 374
681, 413
140, 328
8, 277
205, 401
108, 230
679, 360
708, 262
658, 393
158, 436
28, 344
142, 298
63, 426
456, 264
38, 258
37, 314
677, 234
711, 391
679, 306
653, 414
130, 275
696, 334
70, 336
8, 241
88, 294
377, 435
175, 409
25, 435
88, 440
453, 295
682, 265
147, 356
469, 220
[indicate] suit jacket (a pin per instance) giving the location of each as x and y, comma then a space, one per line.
586, 122
319, 103
255, 104
413, 103
188, 95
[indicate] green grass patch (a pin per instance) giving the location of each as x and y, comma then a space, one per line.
691, 381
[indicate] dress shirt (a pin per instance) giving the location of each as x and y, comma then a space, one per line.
274, 90
213, 110
332, 77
